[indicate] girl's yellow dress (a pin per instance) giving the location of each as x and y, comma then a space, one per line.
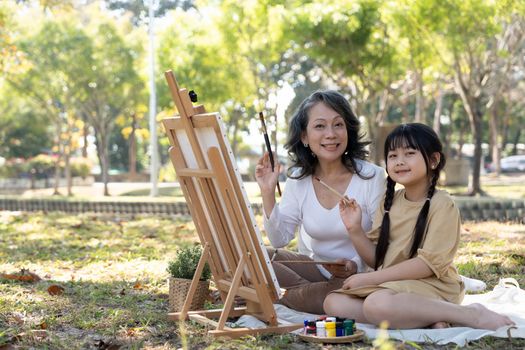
440, 244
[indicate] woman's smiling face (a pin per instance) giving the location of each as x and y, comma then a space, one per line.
325, 133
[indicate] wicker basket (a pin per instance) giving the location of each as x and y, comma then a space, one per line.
179, 288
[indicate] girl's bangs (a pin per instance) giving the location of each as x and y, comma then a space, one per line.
401, 139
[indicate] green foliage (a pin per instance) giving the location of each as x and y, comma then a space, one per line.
80, 166
24, 130
13, 167
42, 163
167, 173
185, 263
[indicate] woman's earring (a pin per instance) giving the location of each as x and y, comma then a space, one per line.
305, 145
346, 153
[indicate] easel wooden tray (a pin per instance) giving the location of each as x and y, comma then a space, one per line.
358, 335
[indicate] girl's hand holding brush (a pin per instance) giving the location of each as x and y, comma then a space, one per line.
350, 213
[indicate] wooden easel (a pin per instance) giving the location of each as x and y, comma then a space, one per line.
212, 186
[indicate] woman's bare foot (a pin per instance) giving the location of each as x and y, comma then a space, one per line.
440, 325
483, 318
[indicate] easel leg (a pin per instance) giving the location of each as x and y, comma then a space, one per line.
232, 292
195, 282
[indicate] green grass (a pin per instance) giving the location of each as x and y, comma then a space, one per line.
113, 271
493, 190
174, 191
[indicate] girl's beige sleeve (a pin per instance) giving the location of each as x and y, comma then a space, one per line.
442, 236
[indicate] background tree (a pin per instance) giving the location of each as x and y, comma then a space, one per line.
111, 80
53, 58
208, 67
349, 43
24, 130
466, 46
139, 8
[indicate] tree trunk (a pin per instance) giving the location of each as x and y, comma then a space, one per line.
472, 107
234, 130
476, 121
56, 192
494, 133
132, 149
438, 111
461, 143
375, 152
515, 142
85, 132
420, 99
59, 153
67, 168
405, 116
102, 153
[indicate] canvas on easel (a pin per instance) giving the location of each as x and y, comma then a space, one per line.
232, 244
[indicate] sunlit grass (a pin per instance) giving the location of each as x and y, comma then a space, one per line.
113, 271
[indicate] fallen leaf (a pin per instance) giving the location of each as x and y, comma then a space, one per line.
137, 285
34, 333
43, 325
18, 318
39, 333
101, 345
55, 289
123, 292
24, 276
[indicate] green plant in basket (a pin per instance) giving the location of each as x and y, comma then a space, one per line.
185, 264
181, 270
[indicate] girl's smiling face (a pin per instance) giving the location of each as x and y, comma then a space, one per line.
325, 133
406, 165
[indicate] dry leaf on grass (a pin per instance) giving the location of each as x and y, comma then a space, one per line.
24, 276
101, 345
55, 289
32, 334
17, 318
137, 285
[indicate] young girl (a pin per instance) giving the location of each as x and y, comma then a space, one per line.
412, 248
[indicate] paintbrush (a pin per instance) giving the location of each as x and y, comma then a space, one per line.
310, 262
334, 191
268, 146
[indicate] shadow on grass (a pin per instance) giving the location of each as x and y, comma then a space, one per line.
90, 315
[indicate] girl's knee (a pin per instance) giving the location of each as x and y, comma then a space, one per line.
330, 304
377, 306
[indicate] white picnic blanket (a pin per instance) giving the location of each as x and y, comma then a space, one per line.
506, 298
